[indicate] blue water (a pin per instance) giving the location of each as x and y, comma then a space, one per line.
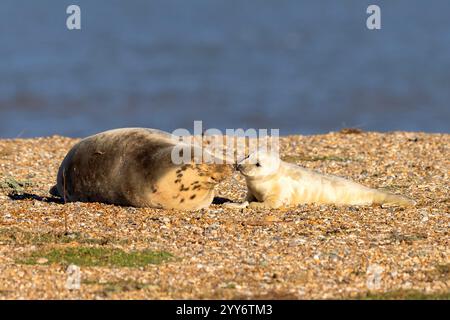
300, 66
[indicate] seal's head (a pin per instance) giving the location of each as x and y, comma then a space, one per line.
259, 164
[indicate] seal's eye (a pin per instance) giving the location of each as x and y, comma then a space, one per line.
258, 164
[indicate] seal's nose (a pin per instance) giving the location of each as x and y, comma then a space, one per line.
238, 167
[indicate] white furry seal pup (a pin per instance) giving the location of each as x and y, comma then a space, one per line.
273, 183
133, 167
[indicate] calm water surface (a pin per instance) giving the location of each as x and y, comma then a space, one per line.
301, 66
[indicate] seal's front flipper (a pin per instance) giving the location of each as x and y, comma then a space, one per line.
234, 205
54, 191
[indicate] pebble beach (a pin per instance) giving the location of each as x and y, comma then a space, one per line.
306, 252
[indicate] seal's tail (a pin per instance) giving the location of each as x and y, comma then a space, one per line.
54, 191
382, 197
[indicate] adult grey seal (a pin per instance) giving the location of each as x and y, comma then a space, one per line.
134, 167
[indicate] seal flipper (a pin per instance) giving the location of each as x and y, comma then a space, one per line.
54, 191
393, 199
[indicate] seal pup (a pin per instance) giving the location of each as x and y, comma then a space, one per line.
134, 167
273, 183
